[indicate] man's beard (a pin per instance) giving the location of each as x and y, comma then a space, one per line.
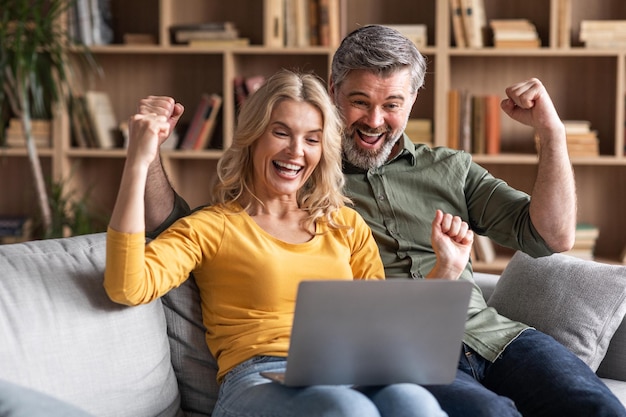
366, 158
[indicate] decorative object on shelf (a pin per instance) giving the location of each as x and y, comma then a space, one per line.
35, 64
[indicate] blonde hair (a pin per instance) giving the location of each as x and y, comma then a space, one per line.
322, 194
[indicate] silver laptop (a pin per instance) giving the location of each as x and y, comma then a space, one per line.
376, 332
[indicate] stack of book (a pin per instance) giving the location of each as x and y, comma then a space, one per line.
469, 23
585, 241
603, 33
216, 34
15, 137
15, 229
581, 139
514, 33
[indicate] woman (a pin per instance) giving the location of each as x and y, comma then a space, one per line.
277, 217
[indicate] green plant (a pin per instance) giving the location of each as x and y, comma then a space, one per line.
38, 65
70, 213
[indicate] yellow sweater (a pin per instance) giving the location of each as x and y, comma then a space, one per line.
247, 278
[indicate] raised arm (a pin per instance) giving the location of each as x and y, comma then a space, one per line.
452, 241
159, 194
145, 131
553, 198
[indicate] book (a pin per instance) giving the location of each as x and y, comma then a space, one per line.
493, 124
193, 131
273, 23
465, 129
329, 24
209, 123
458, 26
564, 23
474, 22
102, 118
478, 125
454, 119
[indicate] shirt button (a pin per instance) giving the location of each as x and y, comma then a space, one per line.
381, 197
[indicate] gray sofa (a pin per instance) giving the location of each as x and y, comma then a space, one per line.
65, 346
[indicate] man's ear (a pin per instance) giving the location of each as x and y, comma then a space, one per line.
331, 90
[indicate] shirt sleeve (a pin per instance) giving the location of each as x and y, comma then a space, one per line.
502, 212
365, 261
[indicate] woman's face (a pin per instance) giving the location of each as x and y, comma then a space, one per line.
286, 154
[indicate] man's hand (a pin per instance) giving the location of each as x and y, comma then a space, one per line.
528, 102
452, 242
162, 106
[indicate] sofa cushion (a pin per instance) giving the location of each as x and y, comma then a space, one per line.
578, 302
194, 365
61, 334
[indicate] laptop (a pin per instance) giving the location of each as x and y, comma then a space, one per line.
376, 332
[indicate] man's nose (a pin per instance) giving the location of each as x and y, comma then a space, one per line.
375, 117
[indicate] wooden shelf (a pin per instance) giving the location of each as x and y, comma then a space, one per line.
584, 83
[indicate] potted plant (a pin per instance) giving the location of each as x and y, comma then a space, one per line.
38, 60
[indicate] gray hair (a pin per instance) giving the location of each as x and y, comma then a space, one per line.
380, 50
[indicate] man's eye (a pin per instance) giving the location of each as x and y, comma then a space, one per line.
359, 104
393, 106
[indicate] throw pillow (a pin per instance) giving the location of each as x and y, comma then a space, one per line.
62, 335
195, 367
580, 303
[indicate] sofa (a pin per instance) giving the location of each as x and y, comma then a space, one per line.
67, 350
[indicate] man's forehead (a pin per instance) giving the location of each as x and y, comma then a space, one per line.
368, 83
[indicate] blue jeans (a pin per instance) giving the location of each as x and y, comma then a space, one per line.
244, 392
535, 376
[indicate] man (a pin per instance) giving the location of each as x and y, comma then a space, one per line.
505, 369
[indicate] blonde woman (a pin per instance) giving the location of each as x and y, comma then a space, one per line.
277, 217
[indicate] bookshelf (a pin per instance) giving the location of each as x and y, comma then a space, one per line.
584, 84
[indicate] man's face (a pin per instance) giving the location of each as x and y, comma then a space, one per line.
375, 111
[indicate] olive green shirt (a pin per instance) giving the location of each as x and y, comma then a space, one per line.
398, 201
